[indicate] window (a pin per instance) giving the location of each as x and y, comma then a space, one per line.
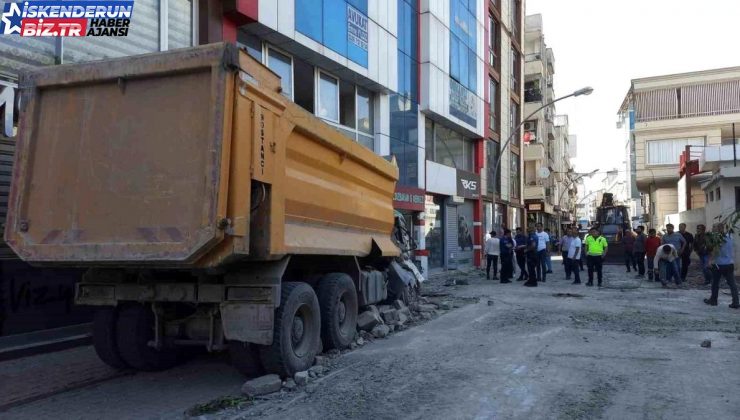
515, 17
737, 198
463, 43
282, 65
515, 70
493, 149
448, 147
667, 152
252, 44
305, 75
514, 122
711, 196
717, 193
515, 175
494, 109
365, 119
328, 97
492, 41
347, 115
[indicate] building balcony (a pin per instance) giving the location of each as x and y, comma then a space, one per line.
534, 152
534, 192
712, 157
533, 95
533, 66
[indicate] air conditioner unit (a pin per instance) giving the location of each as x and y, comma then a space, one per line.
530, 126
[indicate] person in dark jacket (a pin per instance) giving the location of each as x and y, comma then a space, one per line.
507, 257
702, 249
686, 254
520, 251
638, 250
627, 238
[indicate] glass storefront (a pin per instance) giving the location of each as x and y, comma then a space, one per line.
434, 231
463, 248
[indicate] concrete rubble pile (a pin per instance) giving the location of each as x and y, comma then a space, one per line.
374, 322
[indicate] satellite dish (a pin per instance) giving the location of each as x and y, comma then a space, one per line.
543, 173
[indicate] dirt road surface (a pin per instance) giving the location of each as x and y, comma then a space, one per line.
559, 351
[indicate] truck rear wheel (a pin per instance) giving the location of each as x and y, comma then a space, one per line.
296, 333
338, 302
245, 357
104, 337
135, 329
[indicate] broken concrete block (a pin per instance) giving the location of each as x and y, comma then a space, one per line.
318, 370
426, 315
446, 305
380, 331
301, 378
390, 316
368, 320
399, 305
706, 343
402, 318
360, 341
290, 384
261, 386
352, 346
320, 361
427, 308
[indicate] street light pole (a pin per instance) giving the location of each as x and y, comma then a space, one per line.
579, 92
575, 208
560, 213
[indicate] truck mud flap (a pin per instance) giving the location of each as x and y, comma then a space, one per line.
248, 322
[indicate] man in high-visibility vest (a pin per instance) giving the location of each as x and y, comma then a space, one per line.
596, 247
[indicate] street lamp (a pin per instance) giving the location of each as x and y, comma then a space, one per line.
584, 91
573, 181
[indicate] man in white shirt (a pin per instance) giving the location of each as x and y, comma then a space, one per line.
493, 250
543, 250
573, 256
666, 263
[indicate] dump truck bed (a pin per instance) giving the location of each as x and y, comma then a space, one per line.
188, 158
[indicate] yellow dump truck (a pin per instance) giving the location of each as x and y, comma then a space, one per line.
210, 210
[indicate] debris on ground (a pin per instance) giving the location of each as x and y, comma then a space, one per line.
301, 378
262, 386
290, 384
218, 404
706, 344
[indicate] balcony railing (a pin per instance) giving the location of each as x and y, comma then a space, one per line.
533, 95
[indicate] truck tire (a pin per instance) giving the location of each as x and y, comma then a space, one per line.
135, 330
338, 302
245, 357
104, 337
297, 331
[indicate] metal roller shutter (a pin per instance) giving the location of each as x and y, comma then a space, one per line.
7, 147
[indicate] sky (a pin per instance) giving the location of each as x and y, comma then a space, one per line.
606, 44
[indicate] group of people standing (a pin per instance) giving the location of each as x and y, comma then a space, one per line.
668, 256
531, 251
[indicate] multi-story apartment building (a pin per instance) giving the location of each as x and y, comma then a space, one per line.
546, 150
504, 107
668, 115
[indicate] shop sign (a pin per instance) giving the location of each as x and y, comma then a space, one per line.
534, 206
409, 198
468, 184
357, 27
8, 106
462, 103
